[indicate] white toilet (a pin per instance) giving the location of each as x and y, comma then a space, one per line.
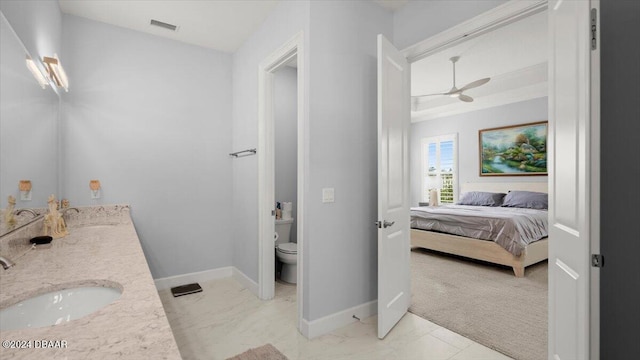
286, 251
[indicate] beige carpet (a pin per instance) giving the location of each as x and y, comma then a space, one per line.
483, 302
264, 352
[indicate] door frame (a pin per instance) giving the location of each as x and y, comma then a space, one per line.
505, 14
490, 20
294, 47
594, 230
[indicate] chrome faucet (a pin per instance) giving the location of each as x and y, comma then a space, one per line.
20, 211
6, 263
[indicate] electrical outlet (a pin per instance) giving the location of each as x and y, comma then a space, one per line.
328, 195
95, 194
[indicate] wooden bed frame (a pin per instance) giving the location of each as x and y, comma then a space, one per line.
486, 250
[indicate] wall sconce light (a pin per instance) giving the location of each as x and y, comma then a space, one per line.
25, 190
56, 72
94, 185
40, 78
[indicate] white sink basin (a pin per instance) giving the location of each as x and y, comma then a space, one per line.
57, 307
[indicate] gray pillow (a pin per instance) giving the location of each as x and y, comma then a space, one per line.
526, 199
479, 198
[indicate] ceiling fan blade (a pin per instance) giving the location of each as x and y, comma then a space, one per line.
475, 84
465, 98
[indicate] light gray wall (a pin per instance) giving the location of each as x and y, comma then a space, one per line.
286, 20
620, 175
151, 119
420, 19
28, 127
341, 244
38, 23
467, 126
286, 140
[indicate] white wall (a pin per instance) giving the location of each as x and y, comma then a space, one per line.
286, 20
467, 126
151, 119
286, 140
340, 240
38, 23
28, 127
341, 244
420, 19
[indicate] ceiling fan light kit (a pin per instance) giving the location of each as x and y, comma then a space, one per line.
455, 92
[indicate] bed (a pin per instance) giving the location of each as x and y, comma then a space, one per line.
486, 250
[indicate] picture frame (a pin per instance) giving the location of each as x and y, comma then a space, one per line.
514, 150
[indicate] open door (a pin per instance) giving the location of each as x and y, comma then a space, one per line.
572, 193
393, 186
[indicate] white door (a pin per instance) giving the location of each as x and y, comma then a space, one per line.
393, 186
570, 188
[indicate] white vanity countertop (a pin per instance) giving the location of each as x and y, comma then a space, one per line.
101, 249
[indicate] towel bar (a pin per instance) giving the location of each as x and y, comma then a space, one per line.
248, 152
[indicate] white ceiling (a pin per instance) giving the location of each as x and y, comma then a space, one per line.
514, 56
216, 24
221, 25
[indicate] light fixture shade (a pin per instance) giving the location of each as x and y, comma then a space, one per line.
40, 78
56, 72
94, 185
25, 185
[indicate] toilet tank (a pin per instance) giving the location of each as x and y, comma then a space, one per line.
283, 228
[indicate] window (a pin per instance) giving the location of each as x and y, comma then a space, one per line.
440, 167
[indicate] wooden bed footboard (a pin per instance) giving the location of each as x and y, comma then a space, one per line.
481, 250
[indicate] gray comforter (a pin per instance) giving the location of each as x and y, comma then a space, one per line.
511, 228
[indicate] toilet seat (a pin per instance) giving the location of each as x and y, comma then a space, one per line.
288, 248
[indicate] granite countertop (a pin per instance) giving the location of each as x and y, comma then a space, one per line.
102, 249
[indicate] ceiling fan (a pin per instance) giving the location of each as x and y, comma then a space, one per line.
455, 92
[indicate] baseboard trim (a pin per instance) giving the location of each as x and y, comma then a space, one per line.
200, 276
207, 275
310, 329
246, 281
324, 325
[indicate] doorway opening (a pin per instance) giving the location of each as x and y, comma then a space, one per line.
281, 179
286, 175
573, 185
465, 259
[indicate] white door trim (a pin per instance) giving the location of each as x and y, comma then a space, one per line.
266, 172
594, 311
499, 16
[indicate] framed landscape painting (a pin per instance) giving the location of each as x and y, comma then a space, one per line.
514, 150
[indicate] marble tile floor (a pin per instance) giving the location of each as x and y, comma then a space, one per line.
226, 319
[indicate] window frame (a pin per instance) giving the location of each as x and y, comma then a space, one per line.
424, 171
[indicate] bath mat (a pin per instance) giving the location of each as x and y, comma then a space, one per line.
264, 352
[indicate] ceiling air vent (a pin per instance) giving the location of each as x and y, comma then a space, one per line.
164, 25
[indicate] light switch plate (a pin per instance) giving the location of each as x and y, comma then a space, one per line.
328, 195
